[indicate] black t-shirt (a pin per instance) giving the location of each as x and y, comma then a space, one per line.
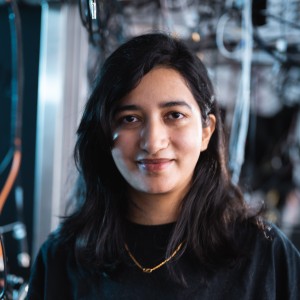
270, 271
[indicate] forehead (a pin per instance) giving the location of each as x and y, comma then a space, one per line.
159, 86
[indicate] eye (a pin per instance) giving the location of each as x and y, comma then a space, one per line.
175, 115
129, 119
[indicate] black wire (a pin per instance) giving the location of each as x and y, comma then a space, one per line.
4, 271
6, 160
17, 73
90, 23
16, 83
81, 13
86, 18
281, 20
283, 58
17, 101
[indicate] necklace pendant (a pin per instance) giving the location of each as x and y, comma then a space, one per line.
147, 270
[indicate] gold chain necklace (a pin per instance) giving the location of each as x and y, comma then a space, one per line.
150, 270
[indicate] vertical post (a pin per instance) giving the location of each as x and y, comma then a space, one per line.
61, 95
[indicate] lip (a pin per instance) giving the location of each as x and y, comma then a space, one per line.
154, 165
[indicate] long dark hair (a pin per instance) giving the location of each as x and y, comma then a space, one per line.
213, 204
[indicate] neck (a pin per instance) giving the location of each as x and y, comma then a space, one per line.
153, 209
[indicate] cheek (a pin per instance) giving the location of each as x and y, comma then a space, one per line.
121, 161
123, 148
188, 141
115, 153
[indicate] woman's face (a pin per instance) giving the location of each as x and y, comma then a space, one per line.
158, 135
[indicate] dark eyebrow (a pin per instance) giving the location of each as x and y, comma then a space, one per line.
161, 105
175, 103
126, 107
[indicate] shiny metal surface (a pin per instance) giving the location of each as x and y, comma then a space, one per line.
61, 95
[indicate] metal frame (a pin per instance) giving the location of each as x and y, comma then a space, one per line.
61, 94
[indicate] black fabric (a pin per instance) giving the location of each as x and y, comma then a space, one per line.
270, 271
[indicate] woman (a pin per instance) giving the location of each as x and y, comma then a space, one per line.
159, 217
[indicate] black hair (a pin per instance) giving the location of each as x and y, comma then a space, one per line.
212, 207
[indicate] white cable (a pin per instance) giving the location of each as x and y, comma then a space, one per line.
220, 32
242, 108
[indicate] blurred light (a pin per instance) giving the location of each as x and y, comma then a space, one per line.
24, 259
19, 232
281, 45
196, 37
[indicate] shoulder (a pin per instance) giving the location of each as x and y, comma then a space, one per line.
285, 256
268, 236
271, 267
51, 270
55, 247
54, 255
274, 256
267, 248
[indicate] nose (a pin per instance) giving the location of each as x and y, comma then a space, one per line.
154, 137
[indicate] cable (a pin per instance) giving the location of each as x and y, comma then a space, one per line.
282, 20
17, 72
17, 82
7, 159
242, 109
17, 100
11, 178
283, 58
223, 20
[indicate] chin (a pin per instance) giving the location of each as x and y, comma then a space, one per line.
156, 190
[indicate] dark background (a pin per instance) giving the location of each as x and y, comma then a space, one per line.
31, 19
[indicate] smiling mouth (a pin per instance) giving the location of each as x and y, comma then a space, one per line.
154, 165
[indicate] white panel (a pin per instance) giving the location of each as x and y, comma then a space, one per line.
62, 92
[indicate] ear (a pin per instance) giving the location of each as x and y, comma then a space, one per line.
207, 131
